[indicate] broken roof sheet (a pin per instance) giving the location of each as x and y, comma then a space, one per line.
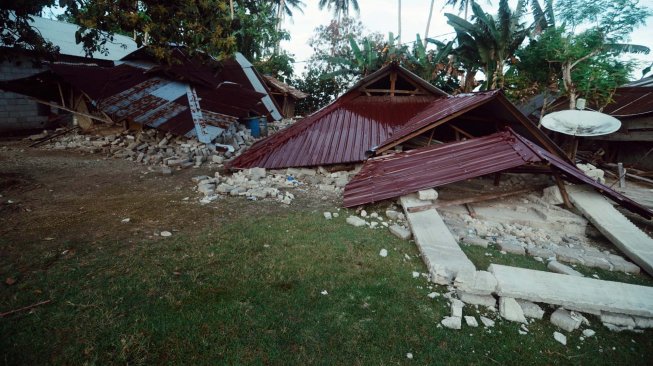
443, 110
401, 173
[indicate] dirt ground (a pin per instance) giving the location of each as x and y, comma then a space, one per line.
54, 197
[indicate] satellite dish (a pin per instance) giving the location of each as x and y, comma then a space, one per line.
581, 123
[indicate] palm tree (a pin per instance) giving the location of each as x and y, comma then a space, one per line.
495, 40
463, 5
399, 22
428, 23
340, 7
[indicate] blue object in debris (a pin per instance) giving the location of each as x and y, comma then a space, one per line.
253, 124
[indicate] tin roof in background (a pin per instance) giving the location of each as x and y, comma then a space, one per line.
284, 88
62, 34
401, 173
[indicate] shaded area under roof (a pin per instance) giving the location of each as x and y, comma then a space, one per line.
401, 173
496, 113
284, 88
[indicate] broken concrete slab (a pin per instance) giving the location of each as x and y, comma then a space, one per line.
356, 221
642, 322
636, 244
544, 253
476, 283
558, 267
400, 232
440, 251
563, 319
617, 319
582, 294
476, 241
483, 300
509, 309
531, 309
561, 338
552, 196
457, 308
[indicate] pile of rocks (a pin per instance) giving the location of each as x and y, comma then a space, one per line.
153, 147
592, 172
260, 183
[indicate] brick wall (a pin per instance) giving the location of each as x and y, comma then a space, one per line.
16, 111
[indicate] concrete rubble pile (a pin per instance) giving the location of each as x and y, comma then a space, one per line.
260, 183
152, 147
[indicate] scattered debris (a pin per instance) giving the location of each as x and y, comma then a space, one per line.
561, 338
356, 221
487, 321
452, 322
324, 292
165, 234
509, 309
383, 253
471, 321
565, 320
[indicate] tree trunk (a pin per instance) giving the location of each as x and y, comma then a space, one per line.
282, 5
399, 23
428, 23
466, 7
569, 84
468, 81
231, 5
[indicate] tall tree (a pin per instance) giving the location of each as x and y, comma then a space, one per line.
428, 23
340, 7
399, 21
16, 31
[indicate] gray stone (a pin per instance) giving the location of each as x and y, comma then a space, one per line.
400, 232
509, 309
237, 191
513, 247
207, 188
452, 322
487, 321
588, 333
217, 159
483, 300
477, 282
561, 338
224, 188
552, 196
256, 173
476, 241
327, 215
563, 319
471, 321
558, 267
428, 195
199, 178
531, 309
569, 255
457, 308
257, 192
165, 170
392, 214
356, 221
642, 322
535, 251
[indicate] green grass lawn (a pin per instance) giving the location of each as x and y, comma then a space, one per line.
249, 291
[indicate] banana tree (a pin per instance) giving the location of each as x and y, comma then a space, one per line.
494, 39
366, 59
428, 64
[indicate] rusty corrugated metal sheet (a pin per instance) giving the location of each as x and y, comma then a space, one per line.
406, 172
284, 88
340, 133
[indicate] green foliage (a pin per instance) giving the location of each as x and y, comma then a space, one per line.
321, 91
255, 28
278, 65
340, 7
17, 34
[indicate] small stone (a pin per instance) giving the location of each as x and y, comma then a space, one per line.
165, 170
555, 266
452, 322
560, 338
511, 247
433, 295
509, 309
356, 221
618, 319
392, 214
564, 320
400, 232
165, 234
125, 220
483, 300
476, 241
457, 308
471, 321
428, 195
531, 310
383, 253
324, 292
588, 333
409, 356
415, 274
327, 215
363, 213
487, 321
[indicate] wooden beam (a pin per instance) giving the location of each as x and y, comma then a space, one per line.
458, 130
396, 91
71, 111
561, 187
63, 101
473, 199
393, 81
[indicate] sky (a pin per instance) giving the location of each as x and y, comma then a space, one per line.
381, 16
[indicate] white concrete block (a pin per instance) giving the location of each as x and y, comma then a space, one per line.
564, 320
509, 309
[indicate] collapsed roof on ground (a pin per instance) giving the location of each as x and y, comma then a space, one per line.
343, 131
400, 173
187, 97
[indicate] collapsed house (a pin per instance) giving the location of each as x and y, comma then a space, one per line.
189, 97
20, 113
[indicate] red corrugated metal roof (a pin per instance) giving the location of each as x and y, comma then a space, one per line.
445, 109
406, 172
340, 133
